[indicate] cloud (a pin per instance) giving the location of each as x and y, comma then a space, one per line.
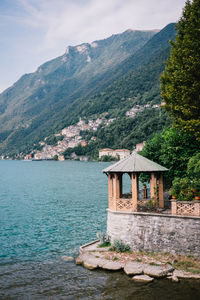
34, 31
82, 21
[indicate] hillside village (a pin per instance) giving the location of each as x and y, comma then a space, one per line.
98, 86
139, 108
70, 136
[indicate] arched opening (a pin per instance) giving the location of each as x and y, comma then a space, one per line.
126, 186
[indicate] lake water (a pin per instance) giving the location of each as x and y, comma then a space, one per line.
49, 209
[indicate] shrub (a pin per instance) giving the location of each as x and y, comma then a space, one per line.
193, 166
175, 189
182, 189
196, 187
151, 204
107, 158
104, 239
119, 246
104, 244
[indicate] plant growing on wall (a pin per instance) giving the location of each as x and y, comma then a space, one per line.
119, 246
104, 239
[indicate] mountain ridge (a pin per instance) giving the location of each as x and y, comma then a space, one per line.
50, 101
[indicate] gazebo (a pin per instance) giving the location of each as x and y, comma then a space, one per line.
133, 165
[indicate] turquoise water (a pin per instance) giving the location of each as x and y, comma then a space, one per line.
49, 209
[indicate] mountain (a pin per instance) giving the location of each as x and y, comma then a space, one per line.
142, 71
140, 87
37, 97
88, 79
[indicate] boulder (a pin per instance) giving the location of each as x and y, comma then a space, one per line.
79, 259
90, 261
173, 278
158, 271
113, 266
183, 274
142, 278
90, 265
134, 268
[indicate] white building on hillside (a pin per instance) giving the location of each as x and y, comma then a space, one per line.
106, 151
140, 146
121, 153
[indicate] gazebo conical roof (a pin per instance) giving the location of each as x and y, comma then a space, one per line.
135, 163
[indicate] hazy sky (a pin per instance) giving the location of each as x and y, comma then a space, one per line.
34, 31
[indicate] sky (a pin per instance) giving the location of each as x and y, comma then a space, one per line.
35, 31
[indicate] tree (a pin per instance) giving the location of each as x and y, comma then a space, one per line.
172, 148
180, 81
152, 149
193, 167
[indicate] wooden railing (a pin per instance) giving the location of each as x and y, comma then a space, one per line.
124, 204
185, 208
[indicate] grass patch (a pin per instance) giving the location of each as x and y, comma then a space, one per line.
104, 244
115, 258
188, 265
111, 248
185, 264
153, 264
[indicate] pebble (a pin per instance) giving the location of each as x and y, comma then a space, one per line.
67, 258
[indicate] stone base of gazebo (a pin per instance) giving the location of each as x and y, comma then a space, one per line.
155, 232
142, 230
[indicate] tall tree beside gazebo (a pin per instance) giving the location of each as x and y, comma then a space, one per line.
180, 81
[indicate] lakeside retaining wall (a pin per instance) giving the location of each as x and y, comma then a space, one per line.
155, 232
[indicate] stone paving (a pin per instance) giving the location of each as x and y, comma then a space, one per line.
92, 257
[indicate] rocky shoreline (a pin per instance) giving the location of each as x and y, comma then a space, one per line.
93, 257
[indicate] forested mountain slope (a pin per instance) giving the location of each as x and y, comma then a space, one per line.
37, 97
111, 76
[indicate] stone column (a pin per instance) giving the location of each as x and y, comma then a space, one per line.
135, 190
153, 186
197, 208
161, 195
173, 207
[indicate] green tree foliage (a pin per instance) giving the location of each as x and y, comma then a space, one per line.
52, 140
193, 167
193, 171
182, 189
108, 158
172, 148
180, 82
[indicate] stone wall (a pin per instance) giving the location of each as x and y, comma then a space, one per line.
155, 232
